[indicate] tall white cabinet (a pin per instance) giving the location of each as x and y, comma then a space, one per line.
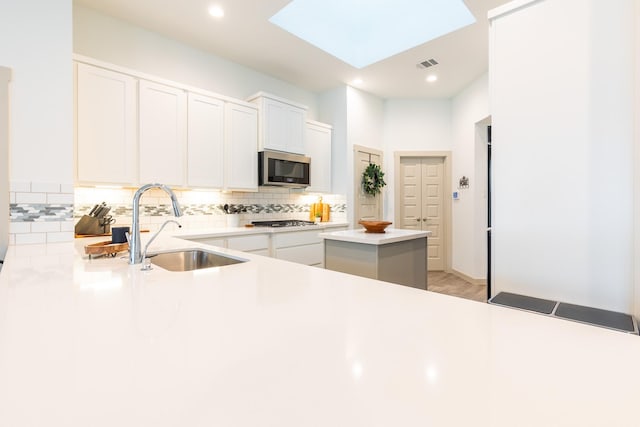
106, 126
241, 156
5, 78
318, 141
562, 140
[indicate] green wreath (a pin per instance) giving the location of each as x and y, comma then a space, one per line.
373, 179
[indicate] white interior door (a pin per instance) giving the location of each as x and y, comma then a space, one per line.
367, 207
432, 208
422, 203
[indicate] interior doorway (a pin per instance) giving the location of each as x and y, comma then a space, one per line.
423, 201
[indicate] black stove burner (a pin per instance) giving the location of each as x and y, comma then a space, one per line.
282, 223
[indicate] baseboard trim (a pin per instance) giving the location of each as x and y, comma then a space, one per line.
469, 278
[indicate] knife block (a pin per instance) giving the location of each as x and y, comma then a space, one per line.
92, 225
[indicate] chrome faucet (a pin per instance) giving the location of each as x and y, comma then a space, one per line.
145, 263
135, 248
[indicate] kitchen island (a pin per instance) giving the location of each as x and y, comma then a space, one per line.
273, 343
396, 256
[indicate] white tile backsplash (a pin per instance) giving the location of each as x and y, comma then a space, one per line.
37, 198
33, 219
45, 187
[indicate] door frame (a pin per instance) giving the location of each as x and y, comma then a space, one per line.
447, 199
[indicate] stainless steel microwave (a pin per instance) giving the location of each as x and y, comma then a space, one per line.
283, 169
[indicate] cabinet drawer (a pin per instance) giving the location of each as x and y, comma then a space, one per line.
210, 241
248, 243
296, 238
307, 254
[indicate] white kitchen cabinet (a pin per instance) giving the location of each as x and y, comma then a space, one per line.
241, 147
318, 140
281, 125
162, 133
302, 247
255, 243
205, 141
106, 126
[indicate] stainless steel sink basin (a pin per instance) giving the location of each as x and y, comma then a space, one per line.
191, 259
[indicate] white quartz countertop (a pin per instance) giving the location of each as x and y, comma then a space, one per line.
270, 343
391, 235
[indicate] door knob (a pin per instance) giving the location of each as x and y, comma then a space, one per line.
424, 219
418, 219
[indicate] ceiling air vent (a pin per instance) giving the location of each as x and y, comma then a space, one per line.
428, 63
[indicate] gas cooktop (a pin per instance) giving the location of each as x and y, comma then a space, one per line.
282, 223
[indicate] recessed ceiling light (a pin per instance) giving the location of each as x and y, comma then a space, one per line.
356, 34
431, 78
216, 11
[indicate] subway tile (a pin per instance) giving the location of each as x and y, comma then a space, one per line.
60, 199
31, 197
67, 226
44, 227
20, 227
45, 187
57, 237
12, 197
22, 186
31, 238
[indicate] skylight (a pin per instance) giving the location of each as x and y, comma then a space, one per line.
362, 32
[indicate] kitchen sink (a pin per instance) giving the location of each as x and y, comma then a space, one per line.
191, 259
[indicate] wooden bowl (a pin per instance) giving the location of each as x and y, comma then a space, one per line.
374, 226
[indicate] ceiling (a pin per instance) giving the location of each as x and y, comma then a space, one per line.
245, 36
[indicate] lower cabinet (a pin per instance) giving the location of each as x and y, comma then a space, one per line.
256, 244
302, 247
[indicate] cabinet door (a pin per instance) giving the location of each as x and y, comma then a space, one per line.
296, 133
274, 125
319, 149
106, 126
283, 126
162, 134
241, 147
205, 142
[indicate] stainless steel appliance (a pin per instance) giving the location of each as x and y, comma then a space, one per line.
283, 169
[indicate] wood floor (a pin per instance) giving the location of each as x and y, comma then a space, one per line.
450, 284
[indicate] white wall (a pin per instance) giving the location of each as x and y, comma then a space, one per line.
562, 151
36, 45
120, 43
636, 255
469, 212
413, 125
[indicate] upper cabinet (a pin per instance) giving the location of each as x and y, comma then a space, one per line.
318, 136
163, 132
132, 129
106, 127
241, 143
281, 125
205, 142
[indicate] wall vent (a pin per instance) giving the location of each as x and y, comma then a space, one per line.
428, 63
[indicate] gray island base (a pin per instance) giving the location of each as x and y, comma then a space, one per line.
397, 256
